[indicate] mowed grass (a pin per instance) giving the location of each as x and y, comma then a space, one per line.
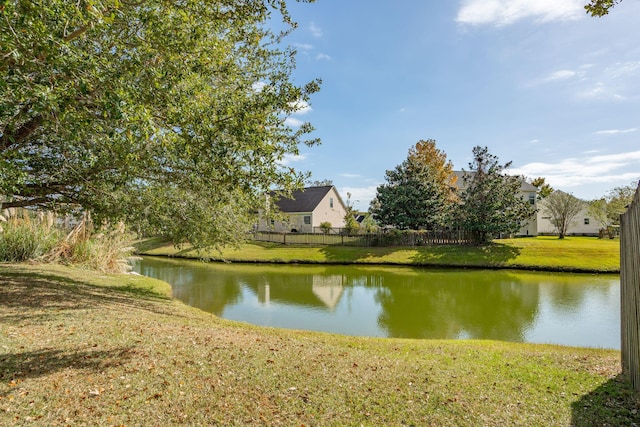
587, 254
82, 348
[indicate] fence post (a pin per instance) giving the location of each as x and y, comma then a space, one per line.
630, 291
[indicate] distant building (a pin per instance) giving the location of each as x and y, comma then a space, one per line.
583, 224
306, 210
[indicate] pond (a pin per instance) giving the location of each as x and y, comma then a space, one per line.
404, 302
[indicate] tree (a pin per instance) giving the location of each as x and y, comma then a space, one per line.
600, 8
351, 226
169, 114
441, 169
325, 227
562, 208
598, 209
491, 199
368, 224
618, 200
544, 189
418, 193
320, 183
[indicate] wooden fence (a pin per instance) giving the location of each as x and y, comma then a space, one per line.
630, 291
420, 238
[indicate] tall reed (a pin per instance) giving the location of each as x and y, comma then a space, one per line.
41, 237
26, 236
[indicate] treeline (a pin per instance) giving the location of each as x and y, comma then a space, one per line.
424, 193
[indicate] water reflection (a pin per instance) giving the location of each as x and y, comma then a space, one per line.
403, 302
494, 305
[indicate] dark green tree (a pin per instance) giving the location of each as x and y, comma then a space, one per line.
169, 114
491, 200
418, 195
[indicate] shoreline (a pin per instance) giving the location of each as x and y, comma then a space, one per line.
576, 255
389, 264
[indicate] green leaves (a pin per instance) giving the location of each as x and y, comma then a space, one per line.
491, 202
112, 106
418, 193
600, 8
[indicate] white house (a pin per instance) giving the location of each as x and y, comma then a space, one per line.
583, 224
306, 210
527, 191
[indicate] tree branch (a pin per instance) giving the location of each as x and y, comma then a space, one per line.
22, 203
17, 137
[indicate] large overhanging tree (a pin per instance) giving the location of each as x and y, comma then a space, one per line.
168, 113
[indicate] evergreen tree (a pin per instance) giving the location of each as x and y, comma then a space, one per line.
491, 200
418, 193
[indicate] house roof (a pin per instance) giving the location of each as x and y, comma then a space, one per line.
305, 200
460, 184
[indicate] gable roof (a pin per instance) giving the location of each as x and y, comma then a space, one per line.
460, 184
305, 200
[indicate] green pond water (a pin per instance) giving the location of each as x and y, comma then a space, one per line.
568, 309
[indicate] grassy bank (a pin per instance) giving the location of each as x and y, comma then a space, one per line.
84, 348
585, 254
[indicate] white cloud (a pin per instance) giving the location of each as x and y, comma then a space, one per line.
323, 56
293, 122
615, 131
303, 46
504, 12
315, 30
292, 158
258, 86
350, 175
621, 158
574, 172
561, 75
300, 107
601, 91
360, 196
622, 69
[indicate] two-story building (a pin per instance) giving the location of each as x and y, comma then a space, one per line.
306, 210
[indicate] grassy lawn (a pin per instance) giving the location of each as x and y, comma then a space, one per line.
587, 254
83, 348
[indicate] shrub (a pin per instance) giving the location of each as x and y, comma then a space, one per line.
29, 236
25, 236
325, 227
108, 250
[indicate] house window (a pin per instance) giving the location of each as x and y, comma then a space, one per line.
532, 199
307, 219
586, 221
331, 202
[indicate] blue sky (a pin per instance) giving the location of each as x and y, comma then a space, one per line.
539, 82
